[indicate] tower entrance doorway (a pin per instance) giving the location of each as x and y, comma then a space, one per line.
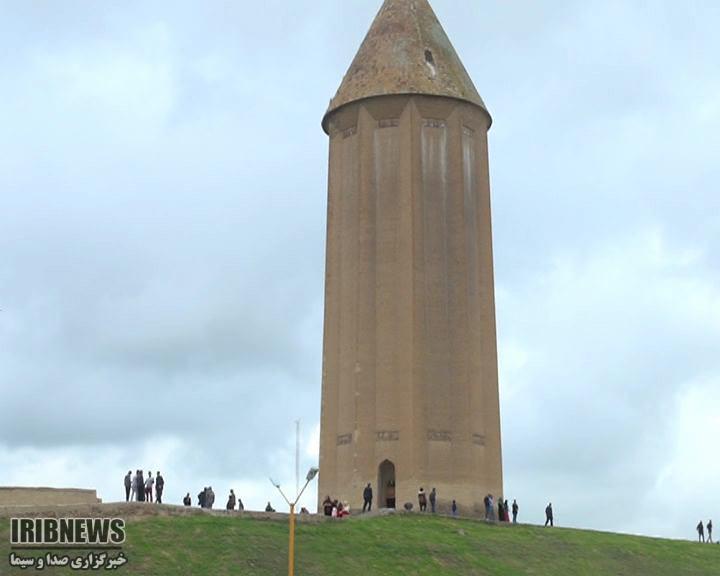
386, 485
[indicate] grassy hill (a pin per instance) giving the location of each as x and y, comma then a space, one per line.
402, 544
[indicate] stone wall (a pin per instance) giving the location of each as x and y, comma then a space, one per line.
19, 497
138, 511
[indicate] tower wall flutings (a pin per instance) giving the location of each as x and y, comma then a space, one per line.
410, 358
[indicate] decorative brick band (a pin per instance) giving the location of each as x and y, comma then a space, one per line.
389, 123
344, 439
439, 436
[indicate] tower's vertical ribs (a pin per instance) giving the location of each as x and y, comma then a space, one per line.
437, 387
476, 431
331, 332
458, 308
348, 294
366, 350
386, 147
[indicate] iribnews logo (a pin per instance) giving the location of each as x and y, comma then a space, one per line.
66, 532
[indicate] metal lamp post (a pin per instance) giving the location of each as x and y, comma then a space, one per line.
291, 544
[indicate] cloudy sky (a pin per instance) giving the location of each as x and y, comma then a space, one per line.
162, 219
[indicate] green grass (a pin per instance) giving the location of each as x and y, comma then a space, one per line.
396, 545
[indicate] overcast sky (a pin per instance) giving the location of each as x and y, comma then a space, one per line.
163, 185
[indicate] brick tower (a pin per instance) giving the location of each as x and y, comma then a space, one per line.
410, 383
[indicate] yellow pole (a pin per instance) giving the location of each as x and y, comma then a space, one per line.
291, 546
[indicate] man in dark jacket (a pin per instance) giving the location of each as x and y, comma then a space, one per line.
549, 515
709, 529
433, 500
201, 498
128, 485
515, 509
701, 532
327, 506
187, 501
367, 498
140, 486
159, 485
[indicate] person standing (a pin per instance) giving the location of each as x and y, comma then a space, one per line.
187, 501
159, 487
433, 500
201, 497
390, 494
709, 529
149, 487
231, 501
501, 510
549, 515
515, 509
133, 493
327, 506
701, 532
422, 499
241, 508
210, 498
133, 490
128, 485
367, 498
140, 486
454, 508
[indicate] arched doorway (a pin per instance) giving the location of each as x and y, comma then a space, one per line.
386, 485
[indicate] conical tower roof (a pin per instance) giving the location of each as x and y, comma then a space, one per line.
406, 51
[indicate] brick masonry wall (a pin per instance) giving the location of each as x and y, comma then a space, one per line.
18, 497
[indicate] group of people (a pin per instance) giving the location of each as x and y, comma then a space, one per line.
424, 498
337, 509
503, 509
234, 500
140, 489
206, 500
701, 532
489, 507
